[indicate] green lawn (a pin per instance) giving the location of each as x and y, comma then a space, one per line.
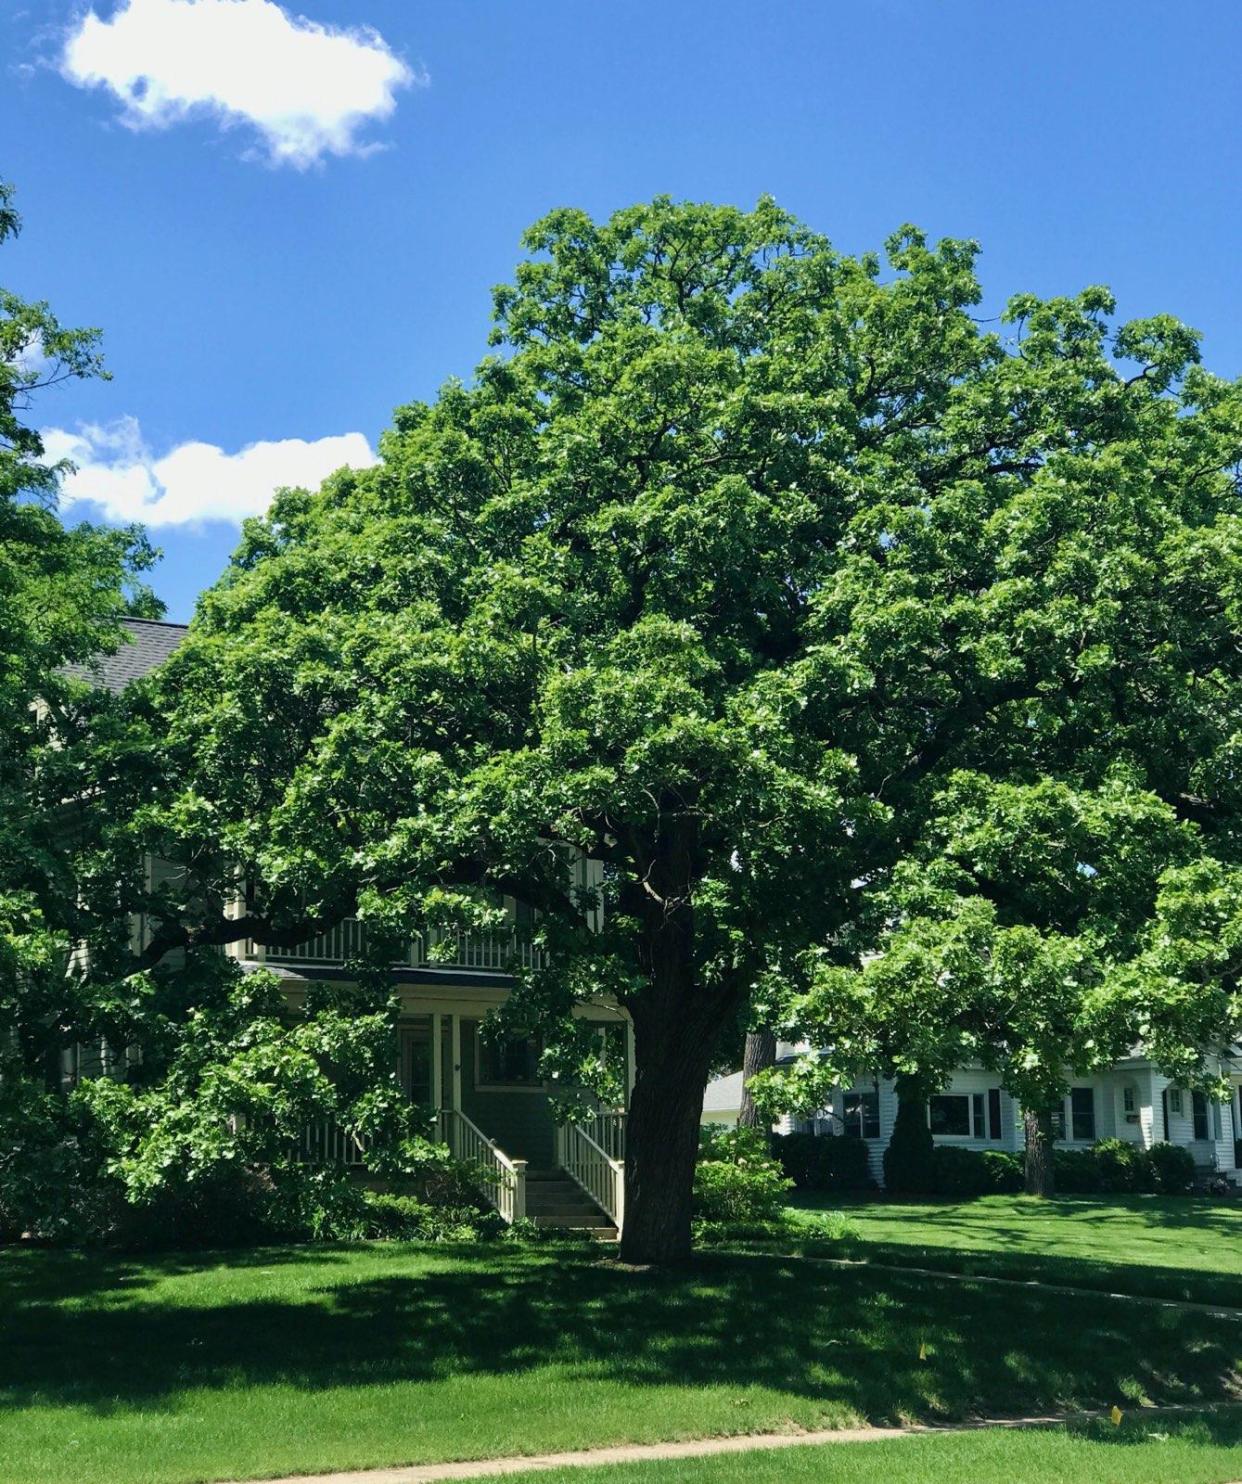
169, 1370
1207, 1450
1168, 1247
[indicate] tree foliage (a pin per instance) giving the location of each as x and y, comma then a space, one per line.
827, 617
63, 592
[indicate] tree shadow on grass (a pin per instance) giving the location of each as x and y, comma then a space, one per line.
883, 1346
42, 1275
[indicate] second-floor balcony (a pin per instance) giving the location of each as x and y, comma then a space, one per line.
498, 952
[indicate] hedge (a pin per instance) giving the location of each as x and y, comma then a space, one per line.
1111, 1167
823, 1162
966, 1172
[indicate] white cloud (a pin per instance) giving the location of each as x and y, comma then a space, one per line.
116, 471
307, 88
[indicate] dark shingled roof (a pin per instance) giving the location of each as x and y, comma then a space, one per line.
150, 643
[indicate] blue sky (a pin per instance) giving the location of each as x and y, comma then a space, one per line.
260, 280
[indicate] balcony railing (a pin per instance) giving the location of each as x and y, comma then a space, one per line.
493, 953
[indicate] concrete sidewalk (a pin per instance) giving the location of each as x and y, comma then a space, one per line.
497, 1468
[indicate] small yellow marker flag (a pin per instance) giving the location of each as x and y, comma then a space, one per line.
1115, 1416
922, 1349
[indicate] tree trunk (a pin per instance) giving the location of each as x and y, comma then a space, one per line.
1040, 1178
760, 1054
671, 1064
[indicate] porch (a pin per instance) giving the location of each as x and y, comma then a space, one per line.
494, 1113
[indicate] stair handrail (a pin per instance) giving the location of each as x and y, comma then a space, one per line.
503, 1179
590, 1165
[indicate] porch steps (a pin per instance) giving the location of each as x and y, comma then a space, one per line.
554, 1200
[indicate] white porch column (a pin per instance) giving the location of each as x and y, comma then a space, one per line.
629, 1060
437, 1063
455, 1054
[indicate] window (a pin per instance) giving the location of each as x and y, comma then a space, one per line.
1057, 1121
1082, 1114
860, 1113
994, 1114
1175, 1100
949, 1115
509, 1062
1200, 1107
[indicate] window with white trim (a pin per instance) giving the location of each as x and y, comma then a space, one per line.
860, 1113
950, 1115
1082, 1114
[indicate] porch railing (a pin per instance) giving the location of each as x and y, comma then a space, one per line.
493, 953
586, 1161
326, 1142
502, 1180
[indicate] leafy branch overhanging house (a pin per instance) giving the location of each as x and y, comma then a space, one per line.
495, 1111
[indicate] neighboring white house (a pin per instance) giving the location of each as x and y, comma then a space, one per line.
1131, 1101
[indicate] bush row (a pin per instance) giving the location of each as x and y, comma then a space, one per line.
814, 1162
1113, 1166
1116, 1166
236, 1205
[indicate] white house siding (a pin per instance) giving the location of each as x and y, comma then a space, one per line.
1225, 1130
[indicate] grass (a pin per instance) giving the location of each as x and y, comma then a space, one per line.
1205, 1450
1164, 1247
178, 1369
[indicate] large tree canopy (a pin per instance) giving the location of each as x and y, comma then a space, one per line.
738, 560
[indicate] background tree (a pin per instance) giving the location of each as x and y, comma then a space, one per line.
1030, 932
759, 1054
737, 557
63, 591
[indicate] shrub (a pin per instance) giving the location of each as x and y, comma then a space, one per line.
958, 1171
1006, 1171
908, 1157
1172, 1169
968, 1172
238, 1207
1117, 1167
1075, 1171
814, 1162
41, 1166
1121, 1167
737, 1179
405, 1218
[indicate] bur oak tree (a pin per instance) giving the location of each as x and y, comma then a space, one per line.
734, 557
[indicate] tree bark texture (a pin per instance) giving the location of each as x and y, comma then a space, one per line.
759, 1055
1040, 1177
